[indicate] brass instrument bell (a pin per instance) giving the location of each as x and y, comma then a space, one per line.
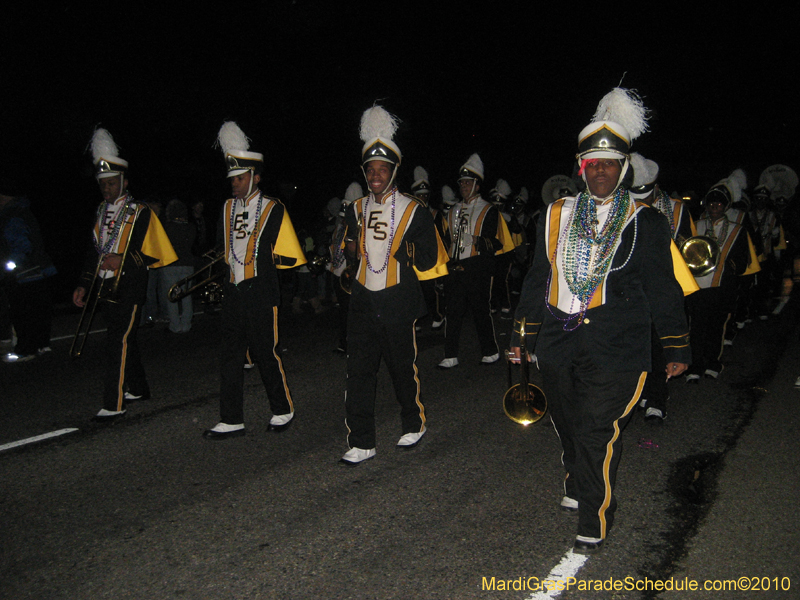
523, 402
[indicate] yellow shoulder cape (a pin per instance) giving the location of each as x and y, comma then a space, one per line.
440, 269
287, 244
157, 245
682, 272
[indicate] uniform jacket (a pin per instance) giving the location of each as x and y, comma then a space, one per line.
133, 281
615, 332
272, 233
415, 244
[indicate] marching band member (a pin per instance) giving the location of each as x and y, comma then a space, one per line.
711, 307
393, 235
473, 227
500, 197
343, 278
644, 189
258, 238
421, 188
126, 228
603, 269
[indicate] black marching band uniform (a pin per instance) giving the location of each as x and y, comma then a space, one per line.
124, 227
645, 190
471, 266
431, 288
601, 273
712, 306
257, 238
395, 239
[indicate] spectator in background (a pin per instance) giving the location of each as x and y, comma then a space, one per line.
25, 274
183, 235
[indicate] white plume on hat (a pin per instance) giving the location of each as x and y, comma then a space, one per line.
353, 193
232, 139
103, 145
523, 195
420, 176
625, 107
645, 171
448, 195
502, 188
740, 177
377, 122
474, 165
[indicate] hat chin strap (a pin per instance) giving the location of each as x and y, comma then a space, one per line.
391, 180
472, 191
622, 174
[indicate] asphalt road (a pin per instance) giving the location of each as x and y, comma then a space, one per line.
147, 508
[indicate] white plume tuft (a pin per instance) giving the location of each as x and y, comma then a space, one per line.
625, 107
103, 144
741, 178
523, 194
502, 188
231, 138
420, 174
377, 122
448, 195
354, 192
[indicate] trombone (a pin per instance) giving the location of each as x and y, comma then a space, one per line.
523, 402
178, 292
97, 293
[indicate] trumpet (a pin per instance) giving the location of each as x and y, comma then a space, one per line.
462, 226
523, 402
178, 291
100, 292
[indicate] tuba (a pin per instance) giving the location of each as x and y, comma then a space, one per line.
701, 254
523, 403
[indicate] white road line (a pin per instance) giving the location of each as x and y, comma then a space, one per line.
37, 438
556, 580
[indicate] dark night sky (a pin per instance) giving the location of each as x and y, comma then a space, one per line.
515, 86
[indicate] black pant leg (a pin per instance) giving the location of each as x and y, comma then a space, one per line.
363, 361
233, 354
479, 286
123, 369
262, 337
400, 352
594, 410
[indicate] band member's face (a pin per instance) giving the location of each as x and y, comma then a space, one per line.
240, 184
602, 175
379, 174
112, 187
715, 210
468, 188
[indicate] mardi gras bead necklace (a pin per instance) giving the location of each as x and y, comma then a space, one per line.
664, 206
587, 254
232, 236
391, 235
